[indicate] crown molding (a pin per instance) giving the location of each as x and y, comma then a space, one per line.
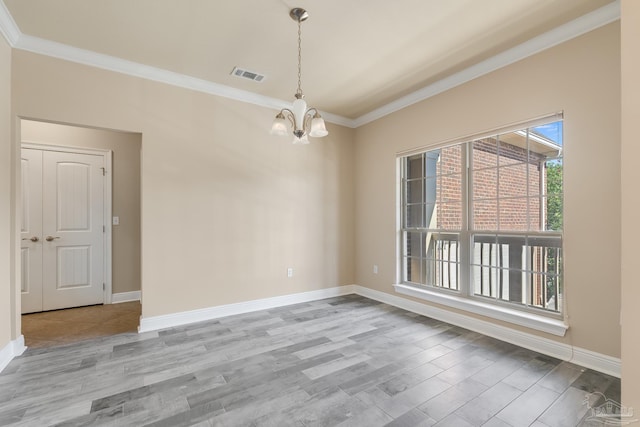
558, 35
8, 26
568, 31
106, 62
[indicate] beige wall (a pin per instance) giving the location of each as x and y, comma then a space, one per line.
6, 227
630, 34
125, 188
226, 207
581, 77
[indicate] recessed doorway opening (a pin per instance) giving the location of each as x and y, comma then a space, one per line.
80, 231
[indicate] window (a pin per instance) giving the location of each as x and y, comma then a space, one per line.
482, 219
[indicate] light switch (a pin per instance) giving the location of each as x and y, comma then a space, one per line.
116, 220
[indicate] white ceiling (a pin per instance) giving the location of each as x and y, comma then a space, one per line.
358, 55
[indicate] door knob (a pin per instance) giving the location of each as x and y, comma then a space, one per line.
51, 238
33, 239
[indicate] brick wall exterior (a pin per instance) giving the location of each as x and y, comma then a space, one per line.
510, 210
449, 189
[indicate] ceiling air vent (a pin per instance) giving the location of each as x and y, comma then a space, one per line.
246, 74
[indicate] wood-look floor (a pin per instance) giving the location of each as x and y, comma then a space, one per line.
346, 361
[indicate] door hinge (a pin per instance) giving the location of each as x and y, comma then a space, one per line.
103, 286
104, 229
104, 171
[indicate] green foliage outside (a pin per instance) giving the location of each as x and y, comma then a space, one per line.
554, 191
555, 223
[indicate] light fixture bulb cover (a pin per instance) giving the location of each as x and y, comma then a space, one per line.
279, 126
302, 140
318, 128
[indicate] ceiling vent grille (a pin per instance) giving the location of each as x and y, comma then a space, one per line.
246, 74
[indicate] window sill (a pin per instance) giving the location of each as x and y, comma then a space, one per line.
529, 320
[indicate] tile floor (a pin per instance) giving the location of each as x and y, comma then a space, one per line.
51, 328
346, 361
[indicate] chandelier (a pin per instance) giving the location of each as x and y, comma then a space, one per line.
305, 121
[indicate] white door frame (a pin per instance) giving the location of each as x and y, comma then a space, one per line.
108, 181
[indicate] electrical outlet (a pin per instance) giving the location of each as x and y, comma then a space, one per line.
375, 269
289, 272
116, 220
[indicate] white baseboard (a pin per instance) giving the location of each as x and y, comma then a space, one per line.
586, 358
12, 349
125, 297
589, 359
185, 317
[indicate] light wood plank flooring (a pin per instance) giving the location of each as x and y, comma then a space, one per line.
346, 361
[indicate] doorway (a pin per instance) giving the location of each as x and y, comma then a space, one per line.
122, 280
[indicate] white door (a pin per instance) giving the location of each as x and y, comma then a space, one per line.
31, 248
72, 230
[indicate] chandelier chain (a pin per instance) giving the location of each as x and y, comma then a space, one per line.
299, 92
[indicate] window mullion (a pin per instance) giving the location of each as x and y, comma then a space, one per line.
467, 217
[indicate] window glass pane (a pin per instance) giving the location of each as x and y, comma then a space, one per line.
414, 167
545, 259
415, 217
432, 159
489, 282
498, 267
449, 216
513, 214
450, 188
554, 176
413, 271
554, 217
512, 148
536, 179
513, 180
545, 291
413, 257
431, 189
451, 160
554, 200
414, 191
485, 153
443, 258
536, 215
413, 244
551, 132
485, 215
482, 247
485, 184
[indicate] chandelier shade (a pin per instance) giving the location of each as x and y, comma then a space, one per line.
305, 121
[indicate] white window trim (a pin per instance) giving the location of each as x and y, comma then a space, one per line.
522, 318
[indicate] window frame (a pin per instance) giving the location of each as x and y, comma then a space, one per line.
464, 298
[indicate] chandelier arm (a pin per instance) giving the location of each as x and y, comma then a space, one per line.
289, 115
308, 116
